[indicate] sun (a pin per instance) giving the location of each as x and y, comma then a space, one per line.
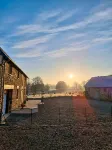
70, 76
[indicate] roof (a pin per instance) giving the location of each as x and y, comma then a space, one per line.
7, 58
102, 81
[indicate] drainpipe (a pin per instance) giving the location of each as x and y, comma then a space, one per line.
2, 67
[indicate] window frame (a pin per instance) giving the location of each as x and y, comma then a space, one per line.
10, 69
18, 74
17, 94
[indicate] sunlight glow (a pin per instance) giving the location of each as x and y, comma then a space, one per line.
70, 76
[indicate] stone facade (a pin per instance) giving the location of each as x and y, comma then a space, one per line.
18, 80
15, 80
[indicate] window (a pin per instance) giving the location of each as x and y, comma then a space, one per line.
17, 93
10, 69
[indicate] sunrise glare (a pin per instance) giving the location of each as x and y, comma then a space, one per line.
70, 76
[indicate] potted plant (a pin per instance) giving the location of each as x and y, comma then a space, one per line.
23, 104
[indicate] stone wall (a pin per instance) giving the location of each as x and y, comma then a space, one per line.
19, 83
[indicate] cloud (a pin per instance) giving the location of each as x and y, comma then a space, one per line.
103, 39
104, 4
65, 51
99, 16
93, 18
49, 14
57, 53
102, 15
82, 35
77, 35
29, 29
66, 16
30, 54
33, 42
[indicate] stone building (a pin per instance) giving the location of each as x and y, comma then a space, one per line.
12, 84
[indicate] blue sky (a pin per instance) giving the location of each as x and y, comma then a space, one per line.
53, 38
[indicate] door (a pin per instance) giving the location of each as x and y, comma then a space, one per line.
97, 94
4, 104
9, 101
22, 96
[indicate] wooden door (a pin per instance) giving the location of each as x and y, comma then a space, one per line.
9, 101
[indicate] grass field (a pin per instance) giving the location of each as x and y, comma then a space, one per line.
64, 124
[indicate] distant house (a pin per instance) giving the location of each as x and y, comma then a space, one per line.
99, 88
12, 84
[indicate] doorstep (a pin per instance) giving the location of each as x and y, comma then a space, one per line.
4, 117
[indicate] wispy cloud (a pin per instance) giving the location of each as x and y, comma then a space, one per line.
100, 16
103, 39
29, 54
83, 34
66, 16
77, 35
33, 42
57, 53
49, 14
29, 29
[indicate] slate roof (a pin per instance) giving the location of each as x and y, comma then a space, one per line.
101, 81
6, 57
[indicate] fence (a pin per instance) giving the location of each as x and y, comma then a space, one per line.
57, 116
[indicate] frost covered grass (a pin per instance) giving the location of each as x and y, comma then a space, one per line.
60, 126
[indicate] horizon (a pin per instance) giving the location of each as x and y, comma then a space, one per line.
57, 40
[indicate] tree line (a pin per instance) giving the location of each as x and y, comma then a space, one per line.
37, 86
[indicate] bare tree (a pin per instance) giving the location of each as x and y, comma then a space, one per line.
37, 85
46, 87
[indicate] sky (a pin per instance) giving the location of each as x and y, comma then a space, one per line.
55, 38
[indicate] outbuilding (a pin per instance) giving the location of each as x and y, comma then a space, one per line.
99, 88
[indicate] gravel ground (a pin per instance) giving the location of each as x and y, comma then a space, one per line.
63, 125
